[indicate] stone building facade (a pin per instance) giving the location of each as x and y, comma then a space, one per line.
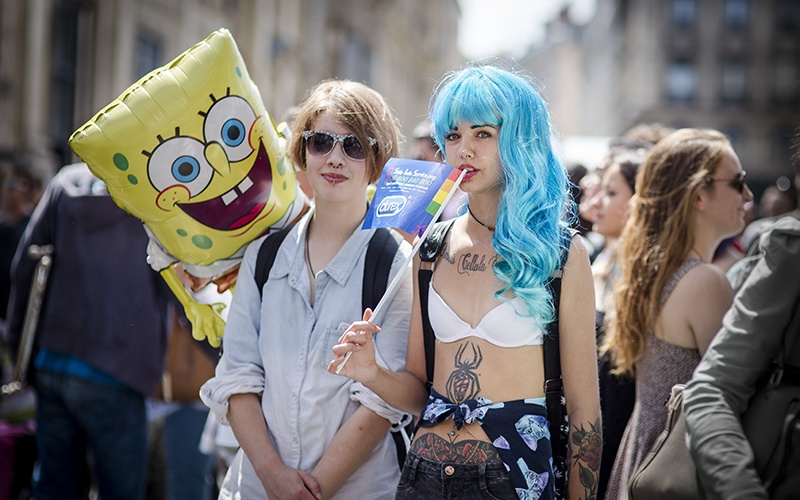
733, 65
63, 60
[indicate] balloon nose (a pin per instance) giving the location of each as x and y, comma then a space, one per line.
217, 158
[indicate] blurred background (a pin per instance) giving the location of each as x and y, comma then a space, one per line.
603, 65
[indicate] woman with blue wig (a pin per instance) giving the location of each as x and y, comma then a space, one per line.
484, 430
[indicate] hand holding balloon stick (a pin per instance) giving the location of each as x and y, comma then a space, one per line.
410, 196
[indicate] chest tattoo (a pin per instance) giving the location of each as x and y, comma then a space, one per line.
469, 262
450, 259
464, 382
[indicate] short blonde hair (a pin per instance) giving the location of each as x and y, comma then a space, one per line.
359, 108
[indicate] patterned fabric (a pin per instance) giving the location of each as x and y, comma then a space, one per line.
518, 430
661, 366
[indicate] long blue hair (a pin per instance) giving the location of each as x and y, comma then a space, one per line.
532, 214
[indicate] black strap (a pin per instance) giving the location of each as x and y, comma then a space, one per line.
377, 264
553, 385
428, 252
266, 256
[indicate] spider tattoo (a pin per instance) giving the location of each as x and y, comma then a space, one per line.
464, 383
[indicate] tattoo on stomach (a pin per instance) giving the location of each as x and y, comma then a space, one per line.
470, 451
464, 382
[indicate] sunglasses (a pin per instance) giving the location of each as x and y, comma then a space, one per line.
737, 183
321, 143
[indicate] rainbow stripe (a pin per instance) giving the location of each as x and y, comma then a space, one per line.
441, 195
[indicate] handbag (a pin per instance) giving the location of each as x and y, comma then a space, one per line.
668, 471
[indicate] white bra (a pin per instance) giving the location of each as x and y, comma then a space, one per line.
501, 326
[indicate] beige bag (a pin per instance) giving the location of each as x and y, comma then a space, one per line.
668, 471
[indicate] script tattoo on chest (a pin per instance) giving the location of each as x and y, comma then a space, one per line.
464, 382
469, 262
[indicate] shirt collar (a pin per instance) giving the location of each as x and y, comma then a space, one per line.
291, 257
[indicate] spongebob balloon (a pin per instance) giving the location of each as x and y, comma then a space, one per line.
191, 151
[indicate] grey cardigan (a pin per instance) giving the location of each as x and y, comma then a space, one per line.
751, 337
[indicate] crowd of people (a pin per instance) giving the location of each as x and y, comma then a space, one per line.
614, 276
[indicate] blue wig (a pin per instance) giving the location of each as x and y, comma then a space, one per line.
531, 218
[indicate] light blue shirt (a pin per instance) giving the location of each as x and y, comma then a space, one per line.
281, 346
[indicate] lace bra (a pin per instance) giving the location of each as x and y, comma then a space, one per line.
501, 326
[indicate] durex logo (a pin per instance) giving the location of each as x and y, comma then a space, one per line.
391, 205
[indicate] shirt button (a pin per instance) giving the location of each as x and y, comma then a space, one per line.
449, 470
294, 397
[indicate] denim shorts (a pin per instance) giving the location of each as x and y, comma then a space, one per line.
423, 479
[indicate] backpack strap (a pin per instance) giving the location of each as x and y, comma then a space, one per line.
553, 385
377, 264
428, 252
266, 256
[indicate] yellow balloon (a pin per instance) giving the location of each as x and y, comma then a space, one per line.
191, 151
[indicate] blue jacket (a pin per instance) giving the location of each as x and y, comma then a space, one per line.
103, 303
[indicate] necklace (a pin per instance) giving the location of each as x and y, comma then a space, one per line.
490, 228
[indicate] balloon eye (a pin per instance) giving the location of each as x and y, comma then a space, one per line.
186, 169
233, 132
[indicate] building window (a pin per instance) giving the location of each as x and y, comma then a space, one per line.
64, 76
734, 82
684, 12
149, 52
356, 61
786, 79
681, 81
787, 16
735, 13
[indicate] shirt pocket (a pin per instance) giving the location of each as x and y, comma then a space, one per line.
332, 335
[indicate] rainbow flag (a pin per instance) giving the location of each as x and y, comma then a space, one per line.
410, 194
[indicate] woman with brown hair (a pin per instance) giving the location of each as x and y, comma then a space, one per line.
304, 432
690, 195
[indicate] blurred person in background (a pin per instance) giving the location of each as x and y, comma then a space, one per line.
21, 190
101, 339
775, 203
690, 195
611, 206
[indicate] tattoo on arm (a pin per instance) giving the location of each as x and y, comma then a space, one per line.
471, 451
588, 445
464, 382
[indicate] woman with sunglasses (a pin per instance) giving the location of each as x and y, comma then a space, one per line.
669, 300
484, 429
306, 433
